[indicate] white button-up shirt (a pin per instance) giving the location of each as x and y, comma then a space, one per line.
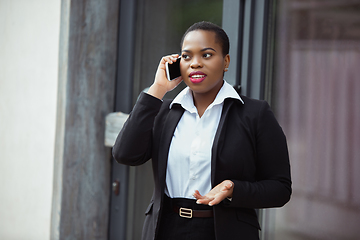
189, 161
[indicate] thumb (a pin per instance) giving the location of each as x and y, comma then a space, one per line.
228, 185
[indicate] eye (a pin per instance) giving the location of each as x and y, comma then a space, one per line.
207, 55
185, 56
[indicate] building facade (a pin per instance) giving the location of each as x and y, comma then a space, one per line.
65, 65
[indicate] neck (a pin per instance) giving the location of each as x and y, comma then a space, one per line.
203, 100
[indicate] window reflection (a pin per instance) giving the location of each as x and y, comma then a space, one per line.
160, 26
317, 101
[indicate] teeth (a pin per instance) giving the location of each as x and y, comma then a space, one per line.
197, 76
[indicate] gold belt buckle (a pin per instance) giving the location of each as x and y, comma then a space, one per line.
185, 212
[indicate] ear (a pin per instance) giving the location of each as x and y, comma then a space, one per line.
227, 62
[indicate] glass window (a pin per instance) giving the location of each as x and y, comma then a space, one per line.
160, 26
316, 98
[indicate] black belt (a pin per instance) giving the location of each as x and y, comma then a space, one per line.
190, 213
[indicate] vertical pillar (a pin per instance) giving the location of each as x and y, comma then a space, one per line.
87, 68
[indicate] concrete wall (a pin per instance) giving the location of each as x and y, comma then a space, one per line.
82, 163
29, 46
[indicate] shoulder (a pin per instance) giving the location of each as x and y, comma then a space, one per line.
251, 106
165, 110
251, 102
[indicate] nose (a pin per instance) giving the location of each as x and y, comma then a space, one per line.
196, 62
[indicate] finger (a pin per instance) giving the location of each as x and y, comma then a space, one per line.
170, 58
178, 79
197, 195
217, 199
204, 197
174, 56
227, 186
204, 201
214, 202
166, 59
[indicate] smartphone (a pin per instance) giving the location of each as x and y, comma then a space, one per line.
173, 70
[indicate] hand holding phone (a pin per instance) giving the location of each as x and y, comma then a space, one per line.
161, 83
173, 70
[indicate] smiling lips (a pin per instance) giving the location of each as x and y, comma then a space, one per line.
197, 77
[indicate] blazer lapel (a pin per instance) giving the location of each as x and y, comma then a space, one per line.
170, 124
216, 143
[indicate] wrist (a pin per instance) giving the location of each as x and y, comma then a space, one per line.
157, 91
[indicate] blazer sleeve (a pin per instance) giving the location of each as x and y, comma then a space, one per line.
272, 187
133, 146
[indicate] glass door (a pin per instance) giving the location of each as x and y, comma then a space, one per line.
148, 31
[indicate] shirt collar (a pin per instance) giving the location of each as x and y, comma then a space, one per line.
185, 98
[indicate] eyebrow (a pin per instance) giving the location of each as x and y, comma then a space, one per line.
202, 50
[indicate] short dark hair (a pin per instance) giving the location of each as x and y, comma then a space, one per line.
220, 34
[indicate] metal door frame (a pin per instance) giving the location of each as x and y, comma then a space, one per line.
123, 103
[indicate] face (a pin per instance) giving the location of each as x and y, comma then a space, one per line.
202, 63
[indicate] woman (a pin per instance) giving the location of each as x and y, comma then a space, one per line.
216, 156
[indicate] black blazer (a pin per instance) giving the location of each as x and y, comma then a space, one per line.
249, 149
